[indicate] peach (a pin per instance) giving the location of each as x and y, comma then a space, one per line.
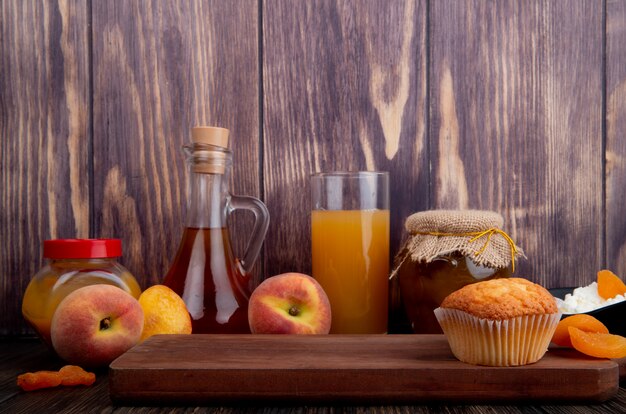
95, 324
164, 312
290, 303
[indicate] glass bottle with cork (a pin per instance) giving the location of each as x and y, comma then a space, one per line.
214, 284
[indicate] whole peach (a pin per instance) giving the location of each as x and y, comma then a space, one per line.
164, 312
290, 303
95, 324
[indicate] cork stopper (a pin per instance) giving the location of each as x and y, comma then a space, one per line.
210, 135
210, 161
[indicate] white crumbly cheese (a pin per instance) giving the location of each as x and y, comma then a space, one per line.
585, 299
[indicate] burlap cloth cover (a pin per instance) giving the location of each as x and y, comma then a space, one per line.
474, 233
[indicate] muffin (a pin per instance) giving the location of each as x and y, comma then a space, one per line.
499, 322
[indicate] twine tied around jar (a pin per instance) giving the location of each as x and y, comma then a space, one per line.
437, 232
477, 235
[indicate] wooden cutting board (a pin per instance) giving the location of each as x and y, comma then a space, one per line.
366, 369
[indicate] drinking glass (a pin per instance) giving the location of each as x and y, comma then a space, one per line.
350, 247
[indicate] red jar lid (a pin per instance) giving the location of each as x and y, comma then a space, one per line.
82, 248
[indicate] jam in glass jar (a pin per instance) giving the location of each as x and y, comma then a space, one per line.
72, 264
446, 250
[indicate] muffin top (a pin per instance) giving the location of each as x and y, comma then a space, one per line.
499, 299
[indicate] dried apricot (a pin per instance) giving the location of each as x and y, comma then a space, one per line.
609, 285
75, 375
599, 345
68, 375
581, 321
36, 380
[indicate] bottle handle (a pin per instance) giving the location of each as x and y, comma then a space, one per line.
261, 223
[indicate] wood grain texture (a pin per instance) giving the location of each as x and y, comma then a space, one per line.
18, 356
44, 127
516, 121
616, 136
348, 369
344, 89
161, 67
480, 104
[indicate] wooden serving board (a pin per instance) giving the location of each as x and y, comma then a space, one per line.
368, 369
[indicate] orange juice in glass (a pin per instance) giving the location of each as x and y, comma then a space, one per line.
350, 248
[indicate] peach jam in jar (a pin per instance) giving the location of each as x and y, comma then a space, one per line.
72, 264
446, 250
425, 285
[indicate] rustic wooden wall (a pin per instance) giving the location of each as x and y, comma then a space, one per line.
160, 67
516, 125
45, 121
615, 116
512, 106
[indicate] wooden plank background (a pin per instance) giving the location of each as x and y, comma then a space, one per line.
157, 71
45, 118
615, 90
502, 105
516, 126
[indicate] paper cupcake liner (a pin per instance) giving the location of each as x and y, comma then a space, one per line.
510, 342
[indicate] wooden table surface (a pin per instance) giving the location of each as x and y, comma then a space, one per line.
18, 355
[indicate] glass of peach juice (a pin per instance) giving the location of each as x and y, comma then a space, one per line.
350, 247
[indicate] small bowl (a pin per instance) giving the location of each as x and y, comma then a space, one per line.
612, 316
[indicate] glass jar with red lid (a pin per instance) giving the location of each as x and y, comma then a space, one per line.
72, 264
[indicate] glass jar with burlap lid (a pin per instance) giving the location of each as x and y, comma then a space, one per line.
446, 250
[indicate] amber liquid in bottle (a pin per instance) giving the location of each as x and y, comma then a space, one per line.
214, 284
206, 275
